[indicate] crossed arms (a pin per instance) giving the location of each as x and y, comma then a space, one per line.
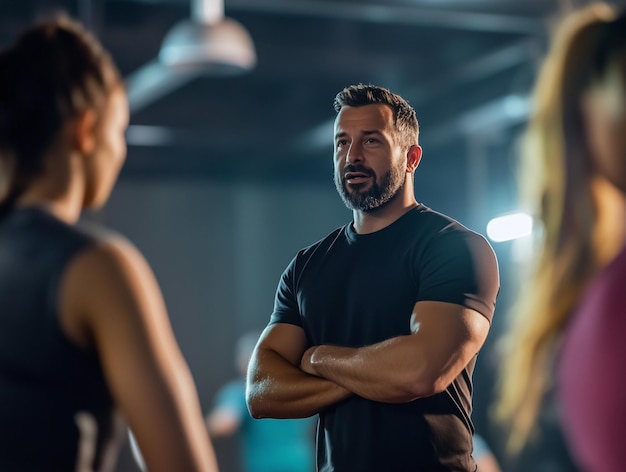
289, 379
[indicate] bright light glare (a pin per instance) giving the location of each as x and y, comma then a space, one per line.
509, 227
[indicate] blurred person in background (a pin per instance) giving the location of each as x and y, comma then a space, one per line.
85, 340
566, 346
267, 445
485, 459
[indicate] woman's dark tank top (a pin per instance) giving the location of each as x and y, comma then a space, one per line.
56, 412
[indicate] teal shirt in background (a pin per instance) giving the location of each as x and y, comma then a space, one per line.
269, 445
480, 447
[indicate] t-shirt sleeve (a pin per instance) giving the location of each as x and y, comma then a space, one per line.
285, 302
459, 266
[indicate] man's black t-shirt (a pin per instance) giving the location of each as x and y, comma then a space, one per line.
355, 290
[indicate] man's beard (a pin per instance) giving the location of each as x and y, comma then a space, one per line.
379, 194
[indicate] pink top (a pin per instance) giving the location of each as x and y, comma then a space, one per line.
592, 373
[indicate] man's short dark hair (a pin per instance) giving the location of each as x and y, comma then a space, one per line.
404, 117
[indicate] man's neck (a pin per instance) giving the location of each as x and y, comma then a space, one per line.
371, 221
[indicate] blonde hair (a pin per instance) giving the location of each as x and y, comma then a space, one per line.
556, 181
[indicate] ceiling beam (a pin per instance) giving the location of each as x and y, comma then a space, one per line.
151, 82
394, 14
383, 13
479, 68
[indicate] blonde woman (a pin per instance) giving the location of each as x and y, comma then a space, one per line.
567, 336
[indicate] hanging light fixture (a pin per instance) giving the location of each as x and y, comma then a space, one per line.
208, 43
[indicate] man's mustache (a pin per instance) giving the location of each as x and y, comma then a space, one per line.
357, 168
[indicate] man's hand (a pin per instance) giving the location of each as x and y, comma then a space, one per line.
305, 363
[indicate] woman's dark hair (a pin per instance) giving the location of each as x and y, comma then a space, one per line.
54, 71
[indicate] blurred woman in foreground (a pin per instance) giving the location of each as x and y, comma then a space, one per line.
83, 328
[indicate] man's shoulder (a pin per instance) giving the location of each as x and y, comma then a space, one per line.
426, 216
436, 222
325, 242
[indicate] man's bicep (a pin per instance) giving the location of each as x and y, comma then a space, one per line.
461, 269
453, 333
287, 340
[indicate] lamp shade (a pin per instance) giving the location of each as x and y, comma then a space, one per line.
220, 48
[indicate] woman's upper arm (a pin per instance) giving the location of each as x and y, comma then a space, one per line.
110, 292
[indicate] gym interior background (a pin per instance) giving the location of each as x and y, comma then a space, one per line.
229, 168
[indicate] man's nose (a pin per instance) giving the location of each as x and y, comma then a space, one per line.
355, 153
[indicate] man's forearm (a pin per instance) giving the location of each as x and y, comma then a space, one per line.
445, 338
388, 372
278, 389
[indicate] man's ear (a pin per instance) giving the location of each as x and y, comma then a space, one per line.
84, 139
414, 156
